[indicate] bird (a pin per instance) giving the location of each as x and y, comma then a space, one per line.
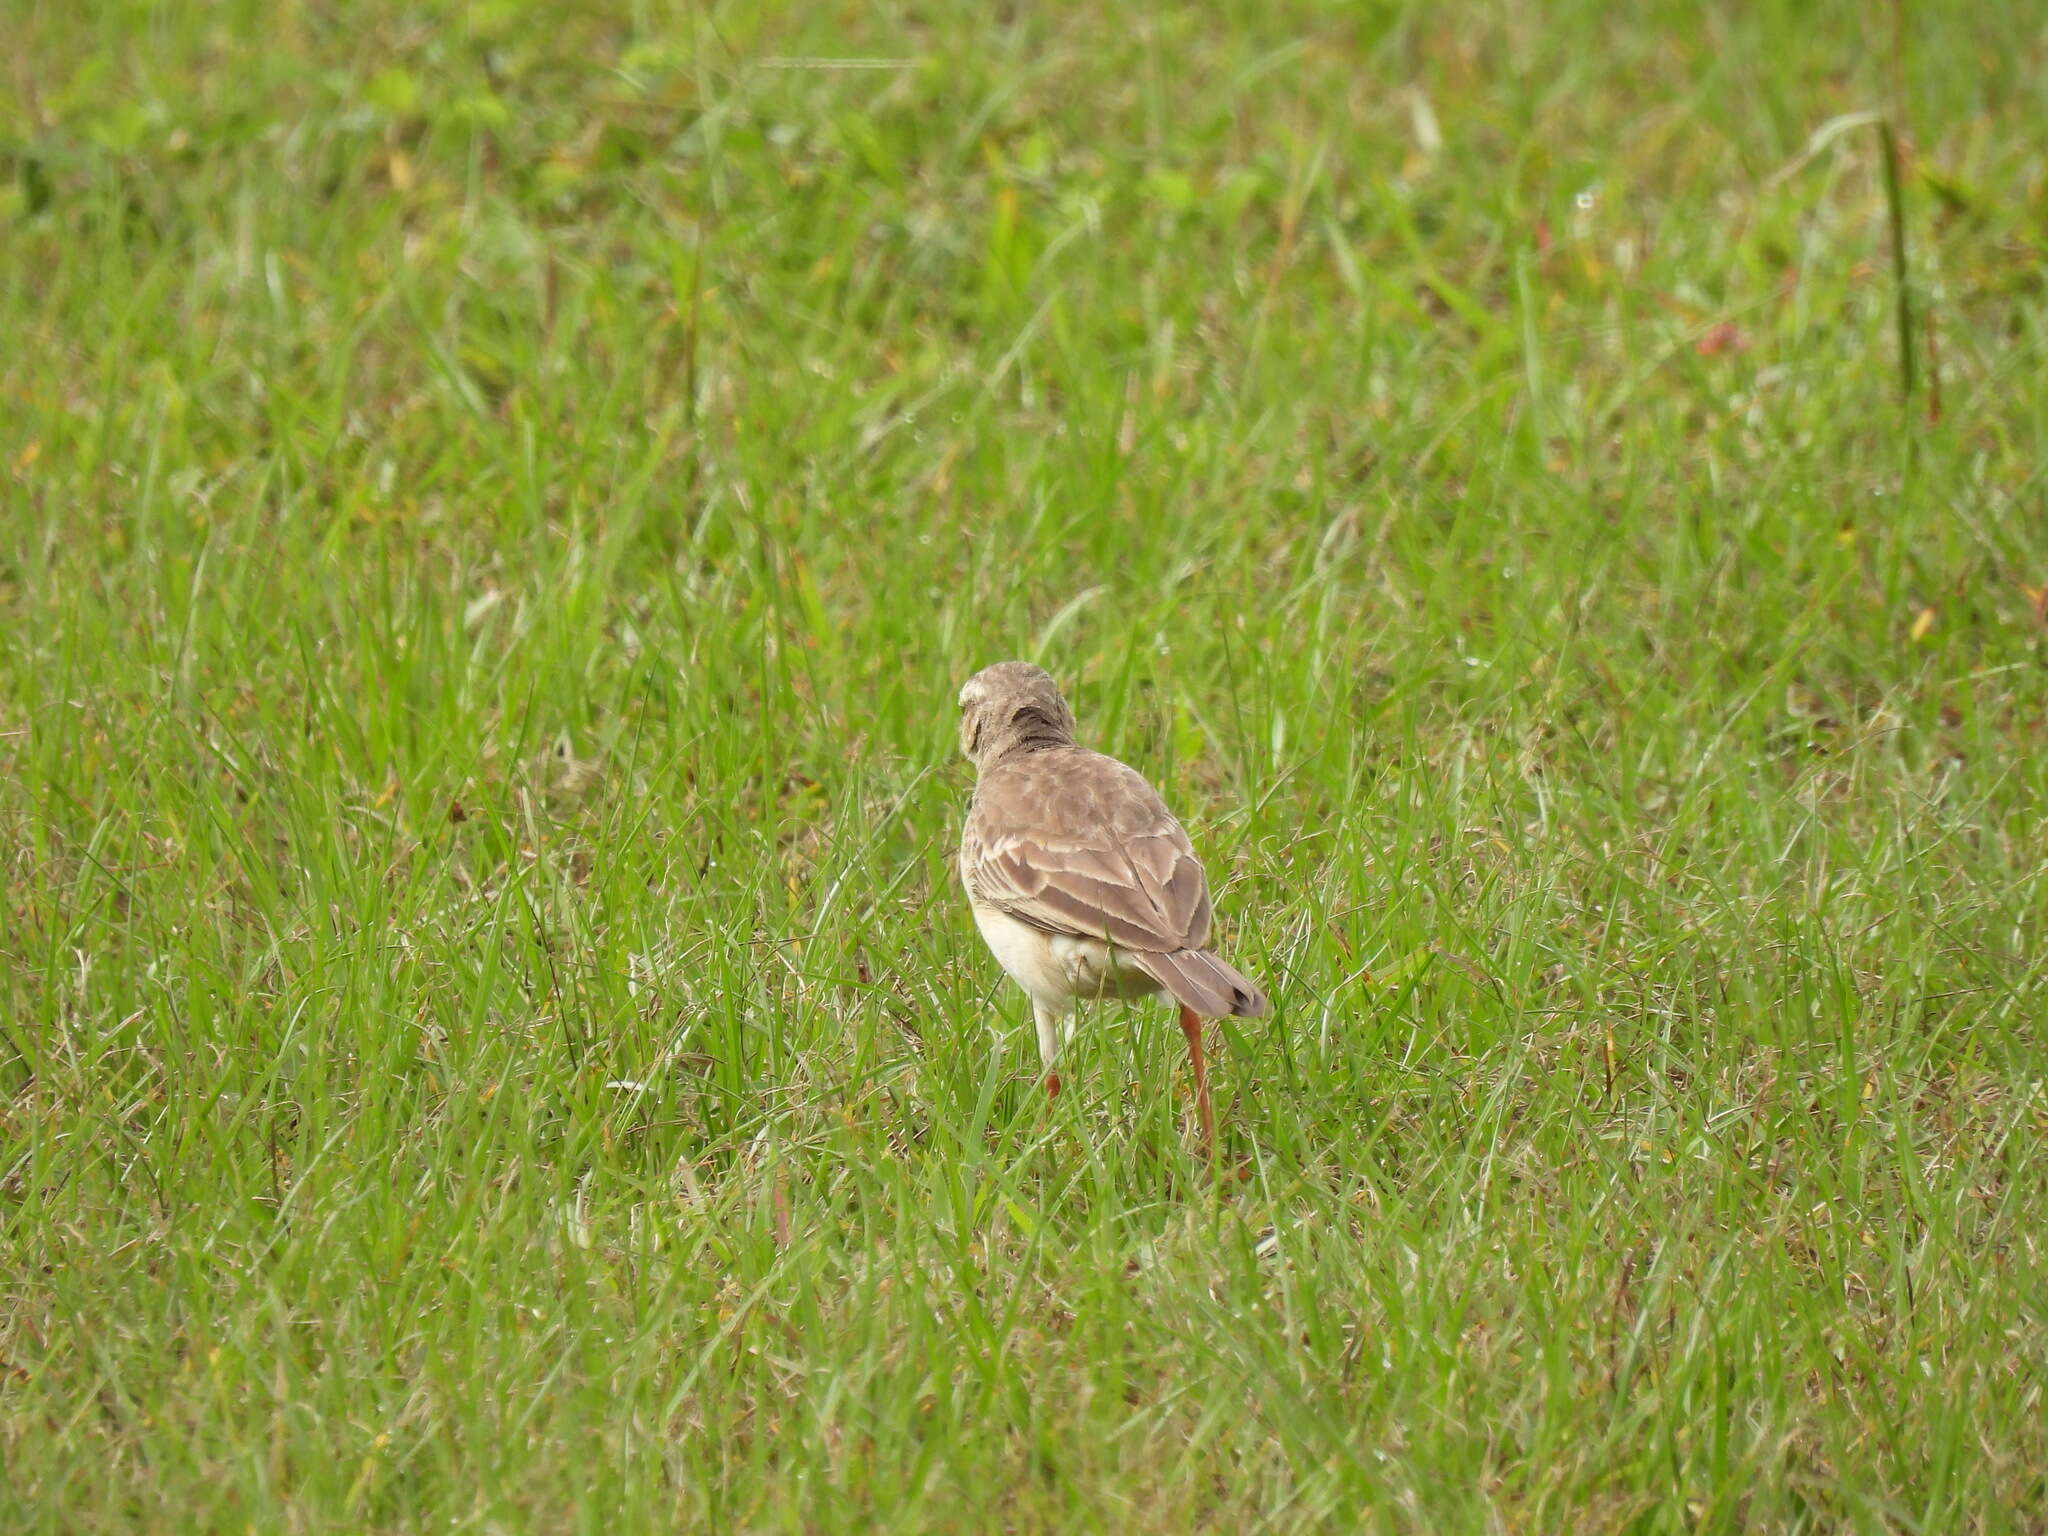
1081, 881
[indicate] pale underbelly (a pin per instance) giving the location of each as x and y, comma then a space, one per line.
1056, 968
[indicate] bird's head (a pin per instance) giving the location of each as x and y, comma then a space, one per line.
1012, 707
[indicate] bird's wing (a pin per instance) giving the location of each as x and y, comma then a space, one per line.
1074, 842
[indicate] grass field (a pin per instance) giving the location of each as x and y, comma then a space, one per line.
496, 502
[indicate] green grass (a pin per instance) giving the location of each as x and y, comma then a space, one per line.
495, 504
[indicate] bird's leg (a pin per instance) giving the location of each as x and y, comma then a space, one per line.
1047, 1021
1191, 1026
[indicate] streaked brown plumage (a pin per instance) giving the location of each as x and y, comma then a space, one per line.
1080, 879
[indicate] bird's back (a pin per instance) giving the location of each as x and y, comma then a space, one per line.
1076, 842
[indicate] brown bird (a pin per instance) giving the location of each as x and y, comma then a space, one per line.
1081, 881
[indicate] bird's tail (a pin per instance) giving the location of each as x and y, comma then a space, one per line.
1202, 982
